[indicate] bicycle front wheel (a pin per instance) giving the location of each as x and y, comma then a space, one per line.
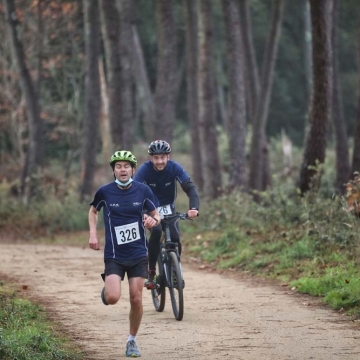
176, 286
158, 294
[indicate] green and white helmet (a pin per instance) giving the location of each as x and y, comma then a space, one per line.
123, 155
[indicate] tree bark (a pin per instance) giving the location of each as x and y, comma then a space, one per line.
166, 71
237, 104
355, 166
315, 148
111, 38
127, 101
207, 104
342, 149
258, 144
92, 97
192, 49
307, 49
252, 73
105, 126
145, 95
35, 151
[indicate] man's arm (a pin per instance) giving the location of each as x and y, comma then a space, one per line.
152, 219
192, 193
93, 220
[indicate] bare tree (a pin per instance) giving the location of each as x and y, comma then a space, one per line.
342, 149
237, 106
315, 147
207, 103
258, 143
166, 71
307, 48
127, 101
144, 94
111, 38
34, 156
252, 73
355, 166
92, 97
191, 44
105, 126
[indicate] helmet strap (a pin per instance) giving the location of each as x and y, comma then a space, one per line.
124, 185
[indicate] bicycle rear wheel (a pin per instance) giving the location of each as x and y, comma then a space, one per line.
176, 286
159, 294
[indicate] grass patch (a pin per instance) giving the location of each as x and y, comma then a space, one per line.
310, 242
25, 333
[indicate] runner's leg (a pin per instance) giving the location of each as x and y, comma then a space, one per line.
112, 289
136, 285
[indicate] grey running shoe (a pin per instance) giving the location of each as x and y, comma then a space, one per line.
103, 297
132, 350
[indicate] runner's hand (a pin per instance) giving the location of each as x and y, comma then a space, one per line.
94, 242
149, 221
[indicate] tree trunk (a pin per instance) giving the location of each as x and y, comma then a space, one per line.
252, 73
105, 126
145, 96
166, 71
92, 97
258, 143
111, 38
192, 49
207, 103
342, 148
307, 49
356, 150
35, 151
127, 111
237, 105
315, 148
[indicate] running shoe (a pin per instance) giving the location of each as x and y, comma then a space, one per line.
150, 283
103, 297
132, 350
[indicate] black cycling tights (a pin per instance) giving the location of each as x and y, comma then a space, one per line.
154, 242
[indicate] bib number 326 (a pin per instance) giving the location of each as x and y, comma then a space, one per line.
127, 233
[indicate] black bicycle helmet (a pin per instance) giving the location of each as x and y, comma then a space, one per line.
123, 155
159, 147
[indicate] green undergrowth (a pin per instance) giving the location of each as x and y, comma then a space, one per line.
311, 243
26, 334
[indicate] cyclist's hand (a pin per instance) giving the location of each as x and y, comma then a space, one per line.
192, 213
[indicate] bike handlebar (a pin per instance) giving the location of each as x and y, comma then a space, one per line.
182, 216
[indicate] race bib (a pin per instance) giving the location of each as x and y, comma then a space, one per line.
164, 210
127, 233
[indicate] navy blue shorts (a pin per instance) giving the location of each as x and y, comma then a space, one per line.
133, 268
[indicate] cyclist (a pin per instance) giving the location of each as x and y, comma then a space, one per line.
162, 175
124, 202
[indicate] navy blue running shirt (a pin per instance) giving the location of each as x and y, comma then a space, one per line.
125, 234
162, 183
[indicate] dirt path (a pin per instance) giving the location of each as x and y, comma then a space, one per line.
225, 318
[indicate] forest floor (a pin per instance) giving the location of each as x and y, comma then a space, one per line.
227, 316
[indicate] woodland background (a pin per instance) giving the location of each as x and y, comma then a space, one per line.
259, 99
221, 80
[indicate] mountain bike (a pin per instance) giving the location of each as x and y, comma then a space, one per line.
169, 271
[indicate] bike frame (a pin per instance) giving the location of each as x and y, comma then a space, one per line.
170, 272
